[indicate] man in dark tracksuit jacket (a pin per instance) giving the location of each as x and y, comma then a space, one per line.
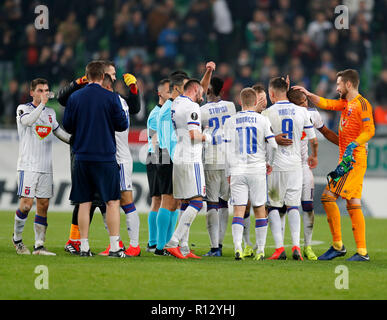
133, 101
92, 115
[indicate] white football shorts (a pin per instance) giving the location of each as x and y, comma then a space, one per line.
188, 180
285, 187
248, 187
307, 184
35, 184
126, 171
216, 185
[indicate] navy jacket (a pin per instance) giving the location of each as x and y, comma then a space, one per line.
92, 116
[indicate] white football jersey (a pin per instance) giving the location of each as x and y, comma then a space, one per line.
123, 154
318, 123
214, 115
35, 141
186, 116
286, 117
245, 134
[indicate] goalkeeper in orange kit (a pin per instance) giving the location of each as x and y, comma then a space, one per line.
356, 128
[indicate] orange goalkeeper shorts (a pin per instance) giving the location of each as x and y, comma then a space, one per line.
350, 185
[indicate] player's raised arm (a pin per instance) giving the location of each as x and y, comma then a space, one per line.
368, 126
327, 104
133, 98
205, 82
65, 93
32, 117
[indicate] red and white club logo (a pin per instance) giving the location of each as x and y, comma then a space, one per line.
27, 190
43, 131
50, 118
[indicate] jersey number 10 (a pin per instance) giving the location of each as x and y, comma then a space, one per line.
250, 136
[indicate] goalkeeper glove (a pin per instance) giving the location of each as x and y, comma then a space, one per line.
131, 81
349, 151
343, 168
82, 81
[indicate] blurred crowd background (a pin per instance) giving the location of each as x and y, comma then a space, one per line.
250, 40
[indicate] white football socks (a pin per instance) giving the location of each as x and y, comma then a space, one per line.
85, 245
223, 222
294, 226
261, 234
237, 235
212, 220
186, 219
114, 243
133, 226
275, 227
283, 224
308, 218
246, 231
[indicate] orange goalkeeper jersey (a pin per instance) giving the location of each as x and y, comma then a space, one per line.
356, 124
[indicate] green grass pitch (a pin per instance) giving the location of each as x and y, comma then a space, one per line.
162, 278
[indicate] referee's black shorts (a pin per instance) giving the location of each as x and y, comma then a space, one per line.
151, 172
164, 172
90, 177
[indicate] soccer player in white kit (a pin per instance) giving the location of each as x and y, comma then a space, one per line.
125, 162
285, 182
308, 163
36, 125
188, 174
246, 134
214, 114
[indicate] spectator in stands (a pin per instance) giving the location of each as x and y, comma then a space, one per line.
280, 36
168, 39
70, 30
318, 29
92, 35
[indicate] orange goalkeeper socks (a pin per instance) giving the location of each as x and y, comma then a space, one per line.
358, 227
74, 233
333, 217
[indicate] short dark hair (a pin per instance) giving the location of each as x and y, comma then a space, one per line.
191, 83
162, 82
95, 70
248, 97
217, 85
107, 81
36, 82
278, 83
350, 75
296, 96
177, 80
178, 72
259, 88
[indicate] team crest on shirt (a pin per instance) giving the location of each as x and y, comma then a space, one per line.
50, 118
303, 135
42, 131
27, 190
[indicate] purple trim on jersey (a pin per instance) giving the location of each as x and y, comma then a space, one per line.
183, 96
284, 102
269, 137
195, 123
237, 220
24, 114
259, 223
321, 127
308, 127
41, 220
291, 208
56, 128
